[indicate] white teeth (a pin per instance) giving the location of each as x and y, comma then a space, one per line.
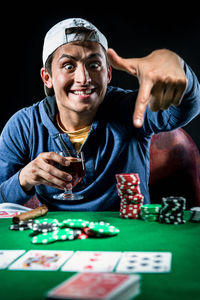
86, 92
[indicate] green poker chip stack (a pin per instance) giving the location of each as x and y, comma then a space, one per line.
150, 212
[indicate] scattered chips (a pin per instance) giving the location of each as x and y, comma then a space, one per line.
128, 188
45, 231
47, 221
22, 225
44, 227
59, 234
74, 223
103, 229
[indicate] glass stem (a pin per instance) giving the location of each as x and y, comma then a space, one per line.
68, 192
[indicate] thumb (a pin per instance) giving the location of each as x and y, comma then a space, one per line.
119, 63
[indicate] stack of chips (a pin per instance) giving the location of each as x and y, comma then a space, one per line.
128, 187
150, 212
195, 214
172, 210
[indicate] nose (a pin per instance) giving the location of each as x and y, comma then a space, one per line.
82, 75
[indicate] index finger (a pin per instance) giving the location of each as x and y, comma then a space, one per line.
142, 102
53, 157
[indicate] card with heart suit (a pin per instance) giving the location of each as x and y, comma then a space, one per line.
41, 260
97, 286
92, 261
8, 256
145, 262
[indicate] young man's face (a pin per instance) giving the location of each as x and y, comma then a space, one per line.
80, 75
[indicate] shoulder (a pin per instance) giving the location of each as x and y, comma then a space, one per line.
21, 120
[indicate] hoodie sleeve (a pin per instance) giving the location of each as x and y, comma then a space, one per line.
14, 155
176, 116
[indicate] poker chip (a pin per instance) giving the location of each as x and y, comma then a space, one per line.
44, 227
150, 212
22, 225
67, 234
45, 238
57, 235
132, 178
90, 233
172, 210
126, 214
103, 229
128, 189
47, 221
151, 208
74, 223
195, 214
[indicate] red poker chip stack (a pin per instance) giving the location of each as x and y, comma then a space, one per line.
128, 188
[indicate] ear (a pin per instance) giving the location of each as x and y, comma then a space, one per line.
46, 77
109, 74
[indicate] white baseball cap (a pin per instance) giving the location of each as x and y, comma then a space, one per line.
67, 31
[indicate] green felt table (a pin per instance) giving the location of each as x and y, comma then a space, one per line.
183, 282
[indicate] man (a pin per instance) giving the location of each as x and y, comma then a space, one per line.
113, 127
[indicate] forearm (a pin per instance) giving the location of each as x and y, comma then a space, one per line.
190, 105
11, 191
176, 116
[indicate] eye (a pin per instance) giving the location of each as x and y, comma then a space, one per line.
94, 65
68, 66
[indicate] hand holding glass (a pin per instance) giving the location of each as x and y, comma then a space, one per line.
77, 170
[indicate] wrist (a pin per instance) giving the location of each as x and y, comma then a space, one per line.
26, 186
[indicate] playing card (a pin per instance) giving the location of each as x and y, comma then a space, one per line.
97, 286
44, 260
92, 261
10, 210
4, 214
144, 262
8, 256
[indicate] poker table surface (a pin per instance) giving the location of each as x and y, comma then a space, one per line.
183, 241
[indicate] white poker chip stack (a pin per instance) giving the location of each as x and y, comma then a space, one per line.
195, 214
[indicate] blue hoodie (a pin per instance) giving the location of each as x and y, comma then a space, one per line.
113, 146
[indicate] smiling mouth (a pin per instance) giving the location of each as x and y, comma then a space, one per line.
83, 92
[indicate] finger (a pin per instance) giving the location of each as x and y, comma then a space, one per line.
142, 102
179, 92
156, 96
42, 177
52, 157
49, 171
167, 96
119, 63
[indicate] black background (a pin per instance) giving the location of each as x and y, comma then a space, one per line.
133, 30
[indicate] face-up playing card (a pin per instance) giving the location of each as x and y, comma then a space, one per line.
4, 214
144, 262
97, 286
92, 261
43, 260
10, 210
8, 256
